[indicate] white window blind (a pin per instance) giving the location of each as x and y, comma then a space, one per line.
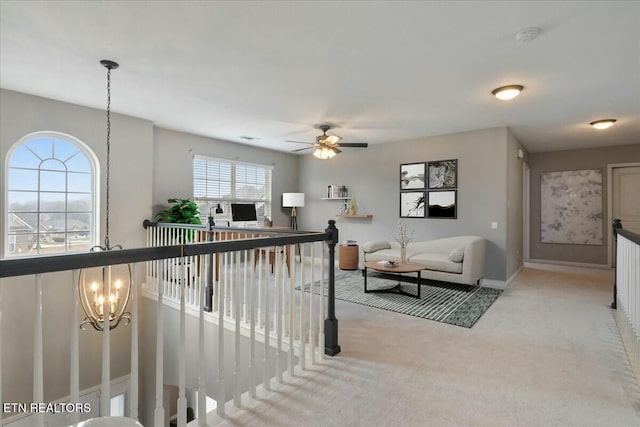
219, 181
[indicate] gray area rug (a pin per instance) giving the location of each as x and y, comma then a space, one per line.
460, 305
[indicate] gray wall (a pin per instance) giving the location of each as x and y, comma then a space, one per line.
593, 158
372, 176
131, 174
173, 166
515, 194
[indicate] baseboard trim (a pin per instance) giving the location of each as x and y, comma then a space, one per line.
496, 284
513, 276
547, 263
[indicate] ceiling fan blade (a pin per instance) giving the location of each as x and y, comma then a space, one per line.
300, 142
301, 149
355, 144
337, 150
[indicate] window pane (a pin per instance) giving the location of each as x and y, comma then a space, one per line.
23, 222
79, 241
79, 222
79, 202
23, 179
42, 147
22, 244
79, 182
53, 164
62, 149
53, 222
23, 201
78, 163
21, 157
52, 202
53, 181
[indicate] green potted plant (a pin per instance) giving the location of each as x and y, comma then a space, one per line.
183, 211
353, 206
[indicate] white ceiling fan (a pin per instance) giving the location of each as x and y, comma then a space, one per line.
327, 146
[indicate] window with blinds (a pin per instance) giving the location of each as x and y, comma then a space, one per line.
219, 181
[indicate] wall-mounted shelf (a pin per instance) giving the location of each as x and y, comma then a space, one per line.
335, 198
354, 216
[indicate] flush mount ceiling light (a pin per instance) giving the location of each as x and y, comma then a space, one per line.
603, 124
507, 92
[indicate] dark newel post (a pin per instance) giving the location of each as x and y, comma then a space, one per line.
617, 224
208, 289
331, 347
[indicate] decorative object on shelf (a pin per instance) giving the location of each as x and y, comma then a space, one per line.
403, 237
105, 291
293, 201
412, 204
443, 174
353, 206
343, 192
571, 207
442, 204
412, 176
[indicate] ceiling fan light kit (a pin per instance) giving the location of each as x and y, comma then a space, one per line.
506, 93
603, 124
327, 146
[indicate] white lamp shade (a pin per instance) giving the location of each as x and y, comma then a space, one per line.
292, 200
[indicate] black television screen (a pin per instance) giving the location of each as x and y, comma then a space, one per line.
243, 212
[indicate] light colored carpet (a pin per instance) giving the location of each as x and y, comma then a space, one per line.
547, 353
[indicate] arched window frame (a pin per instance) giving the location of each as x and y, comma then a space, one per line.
95, 186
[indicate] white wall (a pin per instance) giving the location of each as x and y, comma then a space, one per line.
131, 182
515, 194
372, 175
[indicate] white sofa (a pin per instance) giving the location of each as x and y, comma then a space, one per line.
457, 259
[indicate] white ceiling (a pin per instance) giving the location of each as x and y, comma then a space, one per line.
381, 71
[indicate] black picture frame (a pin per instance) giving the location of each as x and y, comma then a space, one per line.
413, 204
412, 176
442, 204
442, 174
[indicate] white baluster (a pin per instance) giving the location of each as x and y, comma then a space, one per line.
38, 370
312, 336
278, 315
221, 398
260, 292
237, 313
292, 307
303, 345
202, 390
266, 378
74, 368
252, 333
245, 293
105, 392
133, 379
182, 362
159, 411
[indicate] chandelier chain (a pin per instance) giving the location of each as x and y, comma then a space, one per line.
106, 238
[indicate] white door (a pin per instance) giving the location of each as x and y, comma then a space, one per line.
626, 197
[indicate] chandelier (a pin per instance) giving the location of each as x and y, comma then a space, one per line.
105, 291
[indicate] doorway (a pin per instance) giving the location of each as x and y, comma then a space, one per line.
624, 199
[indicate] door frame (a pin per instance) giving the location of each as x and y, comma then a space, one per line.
526, 202
610, 168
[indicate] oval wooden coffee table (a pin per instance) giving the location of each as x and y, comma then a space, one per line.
409, 267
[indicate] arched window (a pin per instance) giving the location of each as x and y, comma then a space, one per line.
51, 196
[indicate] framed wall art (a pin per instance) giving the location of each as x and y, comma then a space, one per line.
412, 176
571, 207
412, 204
443, 174
442, 204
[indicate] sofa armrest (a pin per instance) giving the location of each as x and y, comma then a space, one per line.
473, 262
369, 247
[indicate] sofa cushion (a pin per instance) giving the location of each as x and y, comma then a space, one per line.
456, 254
384, 255
438, 262
375, 246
